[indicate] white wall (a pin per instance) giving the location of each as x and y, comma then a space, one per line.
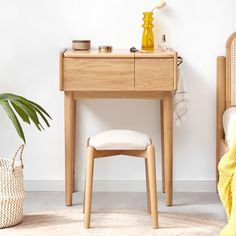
33, 32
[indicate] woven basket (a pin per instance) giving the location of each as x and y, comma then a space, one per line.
11, 190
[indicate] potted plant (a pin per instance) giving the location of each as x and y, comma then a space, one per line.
11, 171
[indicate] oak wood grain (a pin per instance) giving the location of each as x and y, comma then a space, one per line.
154, 74
89, 186
119, 53
70, 107
168, 149
119, 94
61, 71
220, 107
151, 162
104, 74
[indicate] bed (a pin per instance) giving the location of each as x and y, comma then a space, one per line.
226, 100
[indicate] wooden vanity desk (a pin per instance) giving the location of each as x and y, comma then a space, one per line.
120, 74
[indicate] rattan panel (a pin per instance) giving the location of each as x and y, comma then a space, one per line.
233, 73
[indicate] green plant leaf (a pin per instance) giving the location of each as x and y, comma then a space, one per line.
21, 112
11, 96
12, 116
26, 109
37, 109
42, 116
30, 112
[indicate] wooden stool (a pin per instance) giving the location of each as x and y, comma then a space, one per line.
121, 142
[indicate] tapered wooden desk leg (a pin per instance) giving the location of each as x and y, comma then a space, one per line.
168, 143
162, 147
147, 187
69, 146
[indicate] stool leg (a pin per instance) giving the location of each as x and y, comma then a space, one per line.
147, 187
152, 184
88, 186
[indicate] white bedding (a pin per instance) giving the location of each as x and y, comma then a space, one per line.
229, 121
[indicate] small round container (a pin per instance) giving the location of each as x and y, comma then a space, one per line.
81, 44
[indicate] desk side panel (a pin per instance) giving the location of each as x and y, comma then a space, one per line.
61, 70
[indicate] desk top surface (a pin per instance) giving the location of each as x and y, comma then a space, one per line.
161, 53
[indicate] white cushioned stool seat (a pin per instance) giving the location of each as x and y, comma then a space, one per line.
119, 140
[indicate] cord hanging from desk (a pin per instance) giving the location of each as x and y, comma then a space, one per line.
181, 96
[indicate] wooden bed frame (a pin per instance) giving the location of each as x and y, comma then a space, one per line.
226, 94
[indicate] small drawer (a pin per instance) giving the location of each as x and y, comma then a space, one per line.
98, 74
154, 74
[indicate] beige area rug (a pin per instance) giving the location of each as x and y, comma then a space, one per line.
69, 222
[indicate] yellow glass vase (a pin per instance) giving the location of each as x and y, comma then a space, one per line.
148, 38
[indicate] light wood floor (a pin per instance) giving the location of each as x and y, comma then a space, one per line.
204, 205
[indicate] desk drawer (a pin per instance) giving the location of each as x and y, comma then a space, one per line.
98, 74
154, 74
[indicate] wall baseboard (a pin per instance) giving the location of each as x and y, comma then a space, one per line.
120, 186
